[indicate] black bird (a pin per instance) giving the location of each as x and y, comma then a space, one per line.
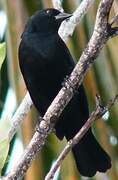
44, 62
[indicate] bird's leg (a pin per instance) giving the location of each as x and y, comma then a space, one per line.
37, 128
67, 83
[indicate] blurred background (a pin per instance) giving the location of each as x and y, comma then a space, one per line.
101, 79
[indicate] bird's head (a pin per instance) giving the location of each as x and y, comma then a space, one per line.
47, 20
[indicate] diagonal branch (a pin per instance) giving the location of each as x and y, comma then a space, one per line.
96, 114
19, 115
58, 5
67, 27
114, 30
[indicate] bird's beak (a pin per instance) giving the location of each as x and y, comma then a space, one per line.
62, 16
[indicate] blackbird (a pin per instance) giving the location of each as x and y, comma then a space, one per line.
45, 61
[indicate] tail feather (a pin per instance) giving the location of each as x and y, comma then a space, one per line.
90, 157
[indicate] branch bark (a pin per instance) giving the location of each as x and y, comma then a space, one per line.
19, 115
58, 5
67, 27
100, 36
96, 114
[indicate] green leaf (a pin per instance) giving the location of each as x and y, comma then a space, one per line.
2, 53
4, 141
4, 149
5, 125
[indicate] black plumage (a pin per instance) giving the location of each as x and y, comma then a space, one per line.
44, 62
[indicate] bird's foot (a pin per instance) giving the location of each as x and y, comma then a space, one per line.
68, 84
37, 128
42, 126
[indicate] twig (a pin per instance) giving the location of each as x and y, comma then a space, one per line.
114, 30
114, 20
58, 5
96, 114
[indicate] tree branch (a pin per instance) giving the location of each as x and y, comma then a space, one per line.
19, 115
96, 114
98, 39
58, 5
67, 27
114, 30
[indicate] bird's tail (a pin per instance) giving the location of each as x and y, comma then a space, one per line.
90, 157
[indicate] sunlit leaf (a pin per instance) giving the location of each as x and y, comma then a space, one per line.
2, 53
4, 128
4, 149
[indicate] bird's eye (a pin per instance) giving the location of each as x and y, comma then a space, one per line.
47, 11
